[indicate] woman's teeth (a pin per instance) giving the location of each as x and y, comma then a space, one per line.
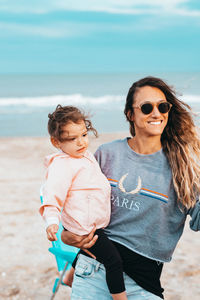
155, 122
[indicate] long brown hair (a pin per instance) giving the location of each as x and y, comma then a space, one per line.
180, 140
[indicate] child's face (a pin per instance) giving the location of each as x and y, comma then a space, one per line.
74, 139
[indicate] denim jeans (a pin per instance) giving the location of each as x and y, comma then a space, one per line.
89, 283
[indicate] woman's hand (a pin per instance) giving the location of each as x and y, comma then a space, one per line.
83, 242
51, 232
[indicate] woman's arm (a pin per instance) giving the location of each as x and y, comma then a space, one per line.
195, 217
83, 242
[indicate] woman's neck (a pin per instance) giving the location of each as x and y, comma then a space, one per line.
145, 145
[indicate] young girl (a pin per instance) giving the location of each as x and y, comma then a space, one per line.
75, 183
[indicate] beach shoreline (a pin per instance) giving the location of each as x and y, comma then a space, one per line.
28, 270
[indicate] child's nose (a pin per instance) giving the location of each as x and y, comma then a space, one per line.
80, 142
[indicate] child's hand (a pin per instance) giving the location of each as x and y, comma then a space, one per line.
51, 232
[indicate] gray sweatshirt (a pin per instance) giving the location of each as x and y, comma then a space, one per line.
146, 217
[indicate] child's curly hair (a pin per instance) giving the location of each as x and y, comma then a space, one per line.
64, 114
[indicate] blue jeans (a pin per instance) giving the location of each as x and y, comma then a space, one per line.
90, 283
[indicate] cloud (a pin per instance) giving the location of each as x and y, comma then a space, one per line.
54, 29
135, 7
37, 22
27, 29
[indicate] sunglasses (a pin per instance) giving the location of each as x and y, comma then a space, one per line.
148, 107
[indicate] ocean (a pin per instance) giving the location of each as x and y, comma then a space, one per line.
26, 100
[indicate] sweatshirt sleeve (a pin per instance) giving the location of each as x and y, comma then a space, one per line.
55, 190
195, 217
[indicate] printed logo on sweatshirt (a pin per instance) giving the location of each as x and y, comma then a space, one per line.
138, 190
154, 195
113, 182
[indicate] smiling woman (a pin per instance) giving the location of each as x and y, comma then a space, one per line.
149, 120
173, 130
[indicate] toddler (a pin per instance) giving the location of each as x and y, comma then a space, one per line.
75, 184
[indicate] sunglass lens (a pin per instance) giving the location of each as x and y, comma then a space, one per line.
147, 108
164, 107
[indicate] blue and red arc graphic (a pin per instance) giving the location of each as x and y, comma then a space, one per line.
140, 190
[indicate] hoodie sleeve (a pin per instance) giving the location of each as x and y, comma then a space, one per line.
57, 185
195, 217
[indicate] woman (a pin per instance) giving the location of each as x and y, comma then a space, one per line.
155, 178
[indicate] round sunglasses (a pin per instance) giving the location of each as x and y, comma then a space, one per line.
148, 107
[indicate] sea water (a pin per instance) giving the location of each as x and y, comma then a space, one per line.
26, 100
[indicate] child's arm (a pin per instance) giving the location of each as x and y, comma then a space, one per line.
55, 191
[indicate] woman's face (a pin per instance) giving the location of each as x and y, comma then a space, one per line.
151, 124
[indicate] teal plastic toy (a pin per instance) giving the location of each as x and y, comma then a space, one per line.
64, 255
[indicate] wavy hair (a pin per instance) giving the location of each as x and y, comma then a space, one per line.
63, 115
180, 141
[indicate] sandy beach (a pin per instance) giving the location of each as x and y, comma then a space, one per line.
27, 269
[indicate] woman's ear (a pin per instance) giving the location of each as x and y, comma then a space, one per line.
55, 142
130, 115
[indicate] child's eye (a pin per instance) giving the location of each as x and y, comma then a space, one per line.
85, 134
68, 139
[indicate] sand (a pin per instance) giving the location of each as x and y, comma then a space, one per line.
27, 269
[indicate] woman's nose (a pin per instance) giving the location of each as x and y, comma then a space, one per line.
155, 111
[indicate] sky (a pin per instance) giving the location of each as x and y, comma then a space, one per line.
98, 36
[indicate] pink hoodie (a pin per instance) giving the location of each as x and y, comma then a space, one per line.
79, 187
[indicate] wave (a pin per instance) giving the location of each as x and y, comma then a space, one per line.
24, 105
191, 98
48, 101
